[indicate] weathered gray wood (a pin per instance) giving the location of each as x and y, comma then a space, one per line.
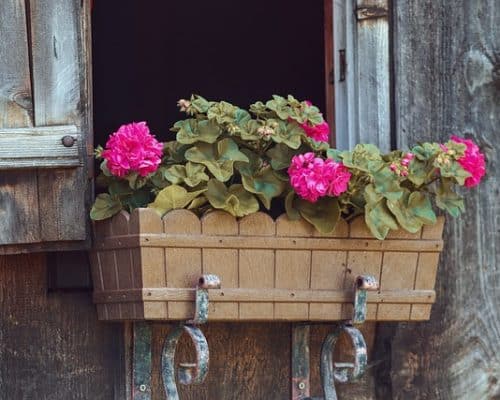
60, 33
447, 82
40, 147
363, 100
18, 191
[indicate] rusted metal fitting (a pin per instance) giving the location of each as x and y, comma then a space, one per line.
363, 284
188, 373
201, 309
209, 282
68, 141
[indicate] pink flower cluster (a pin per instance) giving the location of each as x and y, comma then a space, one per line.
132, 149
401, 168
320, 132
312, 177
472, 161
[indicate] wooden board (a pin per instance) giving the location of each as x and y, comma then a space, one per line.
147, 268
447, 82
44, 65
52, 346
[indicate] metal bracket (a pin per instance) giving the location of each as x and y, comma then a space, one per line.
188, 373
331, 371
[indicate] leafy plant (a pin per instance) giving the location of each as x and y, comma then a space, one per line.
240, 161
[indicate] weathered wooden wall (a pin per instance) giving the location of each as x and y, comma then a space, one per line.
51, 345
447, 81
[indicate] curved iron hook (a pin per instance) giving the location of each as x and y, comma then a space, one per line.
189, 373
341, 372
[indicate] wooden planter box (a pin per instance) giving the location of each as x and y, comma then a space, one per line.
146, 268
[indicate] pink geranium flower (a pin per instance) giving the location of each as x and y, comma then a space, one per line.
312, 177
132, 149
320, 132
472, 161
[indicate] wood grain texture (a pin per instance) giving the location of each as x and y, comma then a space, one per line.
252, 361
61, 62
270, 270
447, 82
53, 347
46, 44
18, 191
40, 147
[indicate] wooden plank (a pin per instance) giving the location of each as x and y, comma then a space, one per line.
60, 37
53, 346
183, 266
40, 147
223, 263
446, 82
256, 267
18, 191
149, 263
403, 296
398, 272
256, 242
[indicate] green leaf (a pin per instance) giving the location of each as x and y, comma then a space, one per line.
334, 154
412, 210
292, 213
386, 183
418, 171
200, 104
104, 207
452, 169
174, 151
191, 174
219, 158
264, 184
235, 199
172, 197
378, 218
426, 151
197, 203
140, 198
323, 214
280, 106
364, 157
288, 133
448, 200
192, 130
222, 112
281, 156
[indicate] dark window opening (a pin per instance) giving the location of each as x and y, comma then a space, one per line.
147, 55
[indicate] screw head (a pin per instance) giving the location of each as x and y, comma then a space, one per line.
302, 385
68, 141
142, 388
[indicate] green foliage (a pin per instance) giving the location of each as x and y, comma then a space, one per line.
235, 160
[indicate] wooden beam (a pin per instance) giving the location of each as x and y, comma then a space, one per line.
40, 147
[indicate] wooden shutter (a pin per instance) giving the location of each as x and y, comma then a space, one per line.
362, 73
45, 124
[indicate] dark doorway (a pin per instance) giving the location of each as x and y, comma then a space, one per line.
148, 54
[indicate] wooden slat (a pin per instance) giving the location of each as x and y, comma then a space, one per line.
183, 266
256, 267
150, 262
327, 272
222, 262
230, 295
293, 268
18, 191
398, 272
60, 37
256, 242
39, 148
